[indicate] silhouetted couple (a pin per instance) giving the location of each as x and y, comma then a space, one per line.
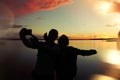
54, 61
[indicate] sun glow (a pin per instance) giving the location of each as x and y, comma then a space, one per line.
104, 7
112, 57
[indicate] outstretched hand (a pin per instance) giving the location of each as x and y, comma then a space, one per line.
24, 32
92, 51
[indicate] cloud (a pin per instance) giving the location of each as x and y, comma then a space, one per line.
22, 7
4, 27
113, 25
39, 18
12, 32
116, 6
17, 26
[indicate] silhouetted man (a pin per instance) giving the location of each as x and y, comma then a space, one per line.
44, 68
67, 66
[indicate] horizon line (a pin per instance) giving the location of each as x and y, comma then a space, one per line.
69, 39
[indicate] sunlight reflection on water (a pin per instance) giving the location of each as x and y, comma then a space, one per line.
18, 60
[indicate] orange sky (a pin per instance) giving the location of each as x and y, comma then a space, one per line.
75, 18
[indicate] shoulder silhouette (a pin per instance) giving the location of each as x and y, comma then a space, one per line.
44, 67
67, 66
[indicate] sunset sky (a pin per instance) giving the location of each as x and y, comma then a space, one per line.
75, 18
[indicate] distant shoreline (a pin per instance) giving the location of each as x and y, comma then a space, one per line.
108, 39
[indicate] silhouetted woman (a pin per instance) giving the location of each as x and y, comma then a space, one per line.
44, 68
67, 66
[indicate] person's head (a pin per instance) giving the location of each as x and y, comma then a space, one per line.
53, 35
63, 41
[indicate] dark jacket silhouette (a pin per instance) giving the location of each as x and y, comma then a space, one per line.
44, 68
67, 66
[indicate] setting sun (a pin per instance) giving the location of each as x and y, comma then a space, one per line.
104, 7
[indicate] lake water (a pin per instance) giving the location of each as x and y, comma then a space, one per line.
17, 61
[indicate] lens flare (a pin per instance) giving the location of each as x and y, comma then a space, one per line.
6, 16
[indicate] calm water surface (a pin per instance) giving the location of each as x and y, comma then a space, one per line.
17, 61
